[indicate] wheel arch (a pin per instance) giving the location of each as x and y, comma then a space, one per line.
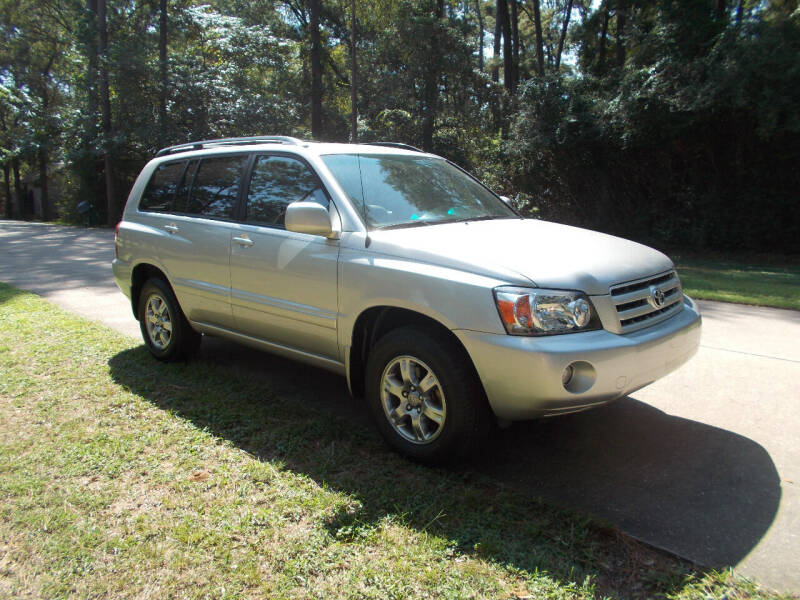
139, 275
375, 322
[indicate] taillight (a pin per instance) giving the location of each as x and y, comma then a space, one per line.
116, 239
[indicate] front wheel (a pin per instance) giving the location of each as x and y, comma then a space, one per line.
425, 396
165, 329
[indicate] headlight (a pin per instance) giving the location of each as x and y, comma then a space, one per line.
527, 311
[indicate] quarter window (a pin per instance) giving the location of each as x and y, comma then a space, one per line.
215, 188
276, 182
159, 195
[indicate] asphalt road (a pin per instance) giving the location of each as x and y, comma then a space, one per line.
704, 463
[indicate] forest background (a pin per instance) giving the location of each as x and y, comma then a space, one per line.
671, 122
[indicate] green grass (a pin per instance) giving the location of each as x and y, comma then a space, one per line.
122, 477
741, 283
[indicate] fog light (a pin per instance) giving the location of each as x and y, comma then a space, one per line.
566, 376
578, 377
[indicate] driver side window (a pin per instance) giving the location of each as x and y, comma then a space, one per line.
276, 182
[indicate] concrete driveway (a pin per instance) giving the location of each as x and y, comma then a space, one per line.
704, 463
70, 266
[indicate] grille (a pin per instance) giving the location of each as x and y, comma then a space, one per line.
637, 302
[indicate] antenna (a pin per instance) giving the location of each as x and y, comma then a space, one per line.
367, 240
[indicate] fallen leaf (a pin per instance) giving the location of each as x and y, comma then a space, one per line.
200, 476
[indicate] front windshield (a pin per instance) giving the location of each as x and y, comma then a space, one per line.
396, 190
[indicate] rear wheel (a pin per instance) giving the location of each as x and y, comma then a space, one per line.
165, 330
425, 396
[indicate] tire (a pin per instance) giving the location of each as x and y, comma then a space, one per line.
411, 368
165, 330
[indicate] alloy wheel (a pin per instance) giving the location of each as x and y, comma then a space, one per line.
158, 321
413, 399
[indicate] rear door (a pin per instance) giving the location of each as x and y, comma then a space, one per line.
283, 284
195, 247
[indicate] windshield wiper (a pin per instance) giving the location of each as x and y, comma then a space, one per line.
442, 222
483, 218
409, 224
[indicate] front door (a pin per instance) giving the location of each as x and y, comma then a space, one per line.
284, 284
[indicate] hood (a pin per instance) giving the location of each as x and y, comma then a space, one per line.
525, 251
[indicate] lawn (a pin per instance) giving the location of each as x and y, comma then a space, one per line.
122, 477
740, 282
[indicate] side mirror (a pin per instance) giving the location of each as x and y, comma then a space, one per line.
506, 199
308, 217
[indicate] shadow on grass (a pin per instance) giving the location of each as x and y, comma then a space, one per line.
704, 492
8, 293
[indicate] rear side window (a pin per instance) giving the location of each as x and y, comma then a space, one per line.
215, 188
159, 195
276, 182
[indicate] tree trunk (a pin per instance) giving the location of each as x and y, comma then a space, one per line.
622, 9
537, 18
508, 52
515, 41
91, 58
601, 51
432, 85
44, 198
498, 33
480, 34
7, 190
112, 206
353, 76
162, 72
89, 141
43, 184
316, 70
739, 11
564, 26
19, 210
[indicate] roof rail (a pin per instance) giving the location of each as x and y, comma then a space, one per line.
235, 141
394, 145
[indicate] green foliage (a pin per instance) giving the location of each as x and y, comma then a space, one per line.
680, 148
671, 122
31, 63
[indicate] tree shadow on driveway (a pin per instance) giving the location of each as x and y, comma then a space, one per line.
699, 491
50, 258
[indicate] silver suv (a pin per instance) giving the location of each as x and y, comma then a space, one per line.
444, 308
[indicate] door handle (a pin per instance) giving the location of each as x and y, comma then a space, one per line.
171, 228
243, 240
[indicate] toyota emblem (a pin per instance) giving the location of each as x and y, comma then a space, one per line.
656, 297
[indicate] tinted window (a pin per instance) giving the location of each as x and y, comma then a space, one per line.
216, 187
277, 181
159, 195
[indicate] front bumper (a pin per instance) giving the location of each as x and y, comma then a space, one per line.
522, 376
